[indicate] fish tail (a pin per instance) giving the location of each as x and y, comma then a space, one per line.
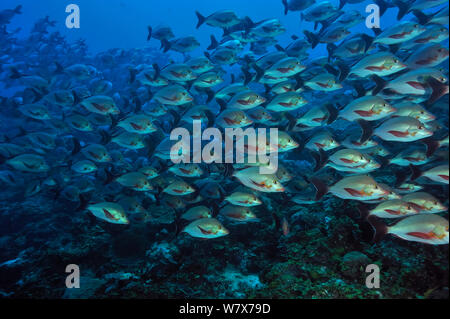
422, 17
84, 201
331, 47
333, 113
210, 95
222, 104
376, 31
359, 88
247, 76
403, 8
439, 89
400, 177
292, 120
312, 38
368, 41
342, 3
432, 146
320, 186
279, 48
259, 72
18, 9
344, 71
157, 70
133, 73
214, 44
286, 7
363, 211
165, 45
150, 30
321, 159
15, 74
380, 228
379, 84
383, 5
109, 176
367, 130
59, 68
106, 137
201, 19
415, 172
229, 170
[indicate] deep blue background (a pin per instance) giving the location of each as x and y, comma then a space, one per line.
123, 24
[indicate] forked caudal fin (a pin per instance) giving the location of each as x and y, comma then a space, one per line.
201, 19
380, 228
363, 211
320, 186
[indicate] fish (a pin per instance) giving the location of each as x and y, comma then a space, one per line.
243, 199
173, 95
220, 19
84, 167
296, 5
29, 163
437, 174
111, 212
288, 101
232, 118
250, 177
136, 181
238, 213
429, 55
380, 63
359, 187
368, 108
399, 33
206, 228
427, 229
197, 212
100, 104
89, 129
179, 188
394, 208
402, 129
426, 202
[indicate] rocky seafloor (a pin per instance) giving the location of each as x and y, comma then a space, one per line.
324, 256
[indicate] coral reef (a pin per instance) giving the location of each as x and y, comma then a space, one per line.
323, 256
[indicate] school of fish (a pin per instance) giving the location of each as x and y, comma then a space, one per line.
94, 129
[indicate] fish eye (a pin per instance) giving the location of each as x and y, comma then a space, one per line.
376, 186
435, 203
395, 60
416, 26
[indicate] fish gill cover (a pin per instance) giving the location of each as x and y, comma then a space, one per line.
216, 149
